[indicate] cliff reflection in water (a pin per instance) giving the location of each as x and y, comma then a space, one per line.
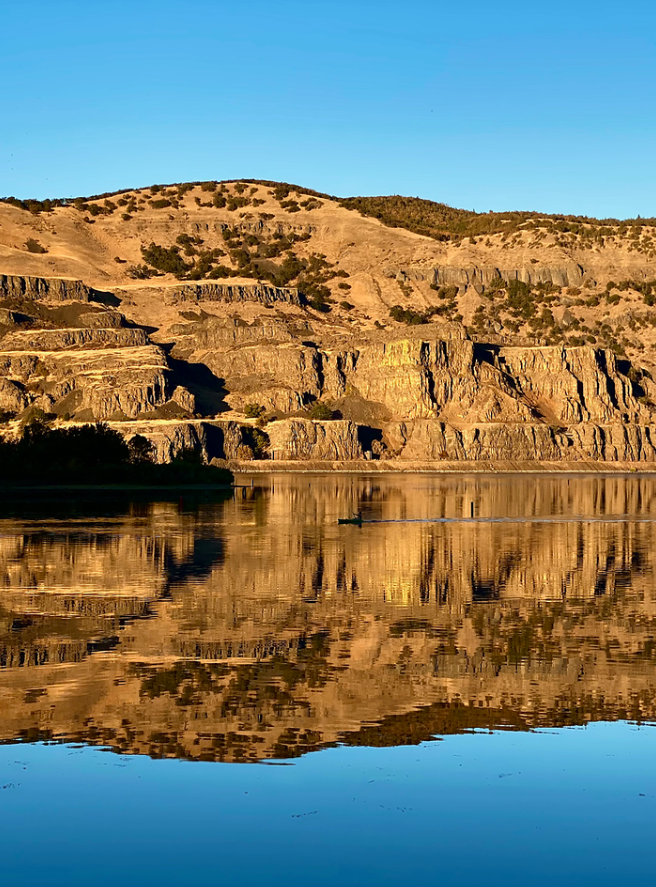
259, 628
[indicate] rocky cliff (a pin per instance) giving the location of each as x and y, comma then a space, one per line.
479, 278
319, 333
51, 289
216, 292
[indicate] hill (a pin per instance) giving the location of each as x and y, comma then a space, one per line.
199, 313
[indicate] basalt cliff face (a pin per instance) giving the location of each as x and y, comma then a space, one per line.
263, 327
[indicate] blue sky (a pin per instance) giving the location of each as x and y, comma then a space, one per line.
485, 105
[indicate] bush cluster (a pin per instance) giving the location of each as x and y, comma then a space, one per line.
94, 454
33, 246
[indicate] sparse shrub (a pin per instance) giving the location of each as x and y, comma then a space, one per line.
318, 302
188, 243
33, 246
281, 191
35, 416
409, 316
320, 411
346, 306
237, 202
260, 443
253, 410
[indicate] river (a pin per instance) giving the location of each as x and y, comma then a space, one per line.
241, 690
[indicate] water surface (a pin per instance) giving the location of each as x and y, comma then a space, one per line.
257, 629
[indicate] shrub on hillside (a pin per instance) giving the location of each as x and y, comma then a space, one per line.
33, 246
407, 315
253, 410
320, 411
165, 259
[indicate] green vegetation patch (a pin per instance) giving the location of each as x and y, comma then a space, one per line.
95, 454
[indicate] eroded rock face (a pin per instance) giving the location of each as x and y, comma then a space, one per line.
308, 439
281, 377
103, 382
415, 400
572, 384
465, 383
213, 440
12, 396
480, 277
233, 292
60, 340
219, 333
51, 289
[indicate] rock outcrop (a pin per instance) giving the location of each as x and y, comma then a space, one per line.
212, 440
480, 278
217, 333
280, 377
63, 339
413, 399
233, 292
306, 439
93, 383
12, 396
51, 289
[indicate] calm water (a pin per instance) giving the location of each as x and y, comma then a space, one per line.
430, 696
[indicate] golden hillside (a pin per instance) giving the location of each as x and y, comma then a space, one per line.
199, 300
248, 232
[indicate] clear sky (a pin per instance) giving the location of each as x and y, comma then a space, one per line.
485, 104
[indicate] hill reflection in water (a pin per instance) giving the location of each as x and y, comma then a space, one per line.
258, 628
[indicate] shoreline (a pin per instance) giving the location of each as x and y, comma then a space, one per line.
362, 466
7, 491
